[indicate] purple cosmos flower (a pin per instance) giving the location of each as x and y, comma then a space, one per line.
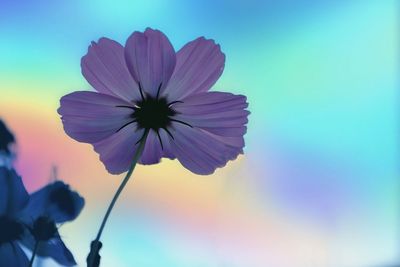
53, 204
145, 87
13, 198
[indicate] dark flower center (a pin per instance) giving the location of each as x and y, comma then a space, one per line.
44, 229
153, 113
63, 198
10, 230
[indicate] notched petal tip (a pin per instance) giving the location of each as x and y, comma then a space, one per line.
151, 30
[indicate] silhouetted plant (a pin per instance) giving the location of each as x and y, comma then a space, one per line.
7, 139
13, 199
48, 207
32, 220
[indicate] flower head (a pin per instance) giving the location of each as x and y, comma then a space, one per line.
13, 198
53, 204
145, 87
56, 201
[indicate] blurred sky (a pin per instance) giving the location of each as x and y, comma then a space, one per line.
318, 185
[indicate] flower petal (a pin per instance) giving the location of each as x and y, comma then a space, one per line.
117, 151
54, 248
104, 67
199, 64
152, 152
13, 195
151, 59
219, 113
167, 140
11, 254
218, 120
56, 201
199, 151
90, 117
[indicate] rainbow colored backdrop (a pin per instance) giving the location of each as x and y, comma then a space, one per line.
319, 183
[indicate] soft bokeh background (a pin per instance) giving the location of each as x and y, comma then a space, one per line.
319, 183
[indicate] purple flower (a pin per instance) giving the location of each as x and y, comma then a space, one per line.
147, 87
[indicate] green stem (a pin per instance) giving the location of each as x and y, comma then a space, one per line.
136, 157
34, 253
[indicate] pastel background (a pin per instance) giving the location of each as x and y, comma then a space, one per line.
319, 183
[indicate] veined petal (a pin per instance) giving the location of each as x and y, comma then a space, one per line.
219, 113
56, 201
104, 67
13, 195
151, 60
167, 140
216, 136
199, 64
12, 255
117, 151
198, 151
152, 152
90, 117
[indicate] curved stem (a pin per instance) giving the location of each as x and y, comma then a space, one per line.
128, 175
96, 243
33, 254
